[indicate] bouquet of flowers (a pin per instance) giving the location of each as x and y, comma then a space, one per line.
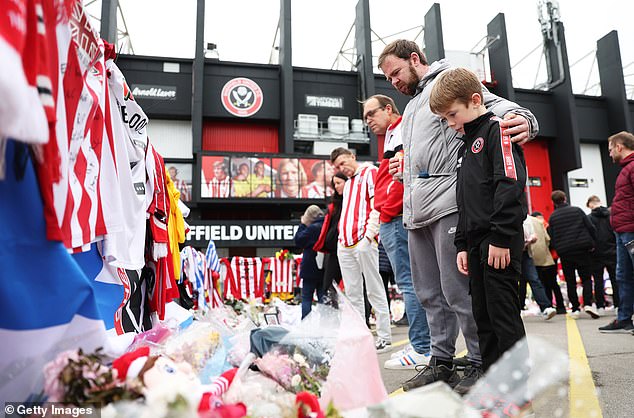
292, 370
284, 255
195, 345
76, 378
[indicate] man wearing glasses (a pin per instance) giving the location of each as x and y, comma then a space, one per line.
383, 118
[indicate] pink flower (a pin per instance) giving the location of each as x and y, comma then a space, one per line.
278, 366
52, 385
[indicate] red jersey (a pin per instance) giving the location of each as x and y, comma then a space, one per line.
388, 196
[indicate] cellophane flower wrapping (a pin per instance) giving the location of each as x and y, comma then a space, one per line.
263, 396
525, 373
354, 365
194, 345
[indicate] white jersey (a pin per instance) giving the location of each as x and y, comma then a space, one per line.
127, 248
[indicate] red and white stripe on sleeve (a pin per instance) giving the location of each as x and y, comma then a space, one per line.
507, 154
356, 208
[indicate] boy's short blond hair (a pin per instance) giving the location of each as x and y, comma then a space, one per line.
455, 84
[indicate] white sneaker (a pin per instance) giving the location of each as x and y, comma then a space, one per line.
574, 314
601, 311
401, 353
549, 313
382, 346
408, 361
592, 311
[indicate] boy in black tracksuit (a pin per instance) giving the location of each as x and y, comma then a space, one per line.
491, 207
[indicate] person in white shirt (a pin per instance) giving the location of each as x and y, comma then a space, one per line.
357, 247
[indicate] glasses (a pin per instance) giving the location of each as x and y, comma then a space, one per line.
370, 113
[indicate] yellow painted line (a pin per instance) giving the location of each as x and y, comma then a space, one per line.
396, 392
582, 394
400, 343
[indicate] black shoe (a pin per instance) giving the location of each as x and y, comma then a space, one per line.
461, 363
618, 327
403, 322
471, 376
430, 374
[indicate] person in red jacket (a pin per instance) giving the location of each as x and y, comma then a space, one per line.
621, 148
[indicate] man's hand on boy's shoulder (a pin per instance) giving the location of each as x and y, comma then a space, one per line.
499, 258
517, 127
461, 262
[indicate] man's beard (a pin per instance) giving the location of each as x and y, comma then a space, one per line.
413, 84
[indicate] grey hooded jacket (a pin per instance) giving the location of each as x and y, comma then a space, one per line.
431, 152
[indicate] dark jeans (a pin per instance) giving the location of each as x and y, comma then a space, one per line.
548, 276
529, 275
608, 263
308, 289
495, 303
582, 263
625, 276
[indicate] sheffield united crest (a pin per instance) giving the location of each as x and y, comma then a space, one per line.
242, 97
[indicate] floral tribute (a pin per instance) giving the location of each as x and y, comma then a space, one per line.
76, 378
293, 371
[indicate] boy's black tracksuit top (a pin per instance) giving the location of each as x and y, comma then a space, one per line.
490, 189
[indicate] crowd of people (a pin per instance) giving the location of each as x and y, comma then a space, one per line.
448, 204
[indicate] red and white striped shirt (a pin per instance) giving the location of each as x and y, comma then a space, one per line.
184, 189
282, 278
246, 279
356, 207
73, 198
219, 188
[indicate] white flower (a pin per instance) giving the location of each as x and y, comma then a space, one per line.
296, 380
300, 360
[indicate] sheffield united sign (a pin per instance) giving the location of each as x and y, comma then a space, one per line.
242, 233
242, 97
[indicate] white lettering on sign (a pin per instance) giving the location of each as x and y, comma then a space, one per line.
242, 232
142, 91
324, 101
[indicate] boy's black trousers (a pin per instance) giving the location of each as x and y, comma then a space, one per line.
495, 302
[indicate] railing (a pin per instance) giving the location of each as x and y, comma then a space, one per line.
324, 134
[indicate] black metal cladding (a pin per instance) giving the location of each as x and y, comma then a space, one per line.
326, 83
217, 74
148, 71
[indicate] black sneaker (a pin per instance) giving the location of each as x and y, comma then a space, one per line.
618, 327
461, 363
403, 322
471, 376
430, 374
